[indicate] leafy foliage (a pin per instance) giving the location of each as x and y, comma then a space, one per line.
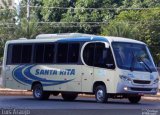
7, 25
143, 25
106, 17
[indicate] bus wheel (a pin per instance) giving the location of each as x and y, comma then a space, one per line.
134, 99
38, 92
69, 96
101, 94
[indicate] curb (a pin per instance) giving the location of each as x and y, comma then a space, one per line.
151, 98
10, 92
15, 93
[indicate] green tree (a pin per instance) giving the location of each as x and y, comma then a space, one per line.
143, 25
120, 29
27, 30
53, 14
7, 25
140, 3
90, 15
33, 11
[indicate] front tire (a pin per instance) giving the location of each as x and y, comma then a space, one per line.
134, 99
101, 94
38, 92
69, 96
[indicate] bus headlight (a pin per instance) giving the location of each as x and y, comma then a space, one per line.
125, 78
156, 81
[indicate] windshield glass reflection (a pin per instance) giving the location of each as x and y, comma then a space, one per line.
133, 57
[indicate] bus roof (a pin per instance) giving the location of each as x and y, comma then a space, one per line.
122, 39
72, 37
63, 35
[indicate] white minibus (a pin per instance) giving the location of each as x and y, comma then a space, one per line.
73, 63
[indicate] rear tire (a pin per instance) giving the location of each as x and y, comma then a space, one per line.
101, 94
38, 92
134, 99
69, 96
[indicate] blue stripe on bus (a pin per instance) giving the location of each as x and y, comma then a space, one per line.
22, 74
18, 75
34, 78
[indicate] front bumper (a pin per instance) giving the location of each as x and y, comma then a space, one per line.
129, 88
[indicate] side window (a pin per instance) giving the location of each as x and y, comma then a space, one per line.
62, 53
9, 54
38, 53
88, 54
26, 54
73, 53
22, 53
16, 54
19, 53
49, 53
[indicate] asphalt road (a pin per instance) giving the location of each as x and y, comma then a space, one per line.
81, 106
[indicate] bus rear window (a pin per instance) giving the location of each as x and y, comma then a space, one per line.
16, 54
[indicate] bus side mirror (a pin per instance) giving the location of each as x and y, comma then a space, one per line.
106, 45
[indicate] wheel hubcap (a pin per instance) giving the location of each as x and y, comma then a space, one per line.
38, 92
100, 95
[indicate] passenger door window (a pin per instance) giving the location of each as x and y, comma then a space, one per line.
88, 54
96, 54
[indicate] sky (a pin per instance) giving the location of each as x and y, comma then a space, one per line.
17, 6
17, 1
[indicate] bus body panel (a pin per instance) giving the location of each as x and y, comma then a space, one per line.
87, 78
140, 82
106, 76
52, 77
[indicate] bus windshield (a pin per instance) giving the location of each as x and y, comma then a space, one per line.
134, 57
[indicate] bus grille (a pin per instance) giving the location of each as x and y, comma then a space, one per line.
141, 89
141, 82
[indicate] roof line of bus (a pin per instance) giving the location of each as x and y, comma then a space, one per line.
78, 39
72, 39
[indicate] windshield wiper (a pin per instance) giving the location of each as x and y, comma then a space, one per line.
146, 65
